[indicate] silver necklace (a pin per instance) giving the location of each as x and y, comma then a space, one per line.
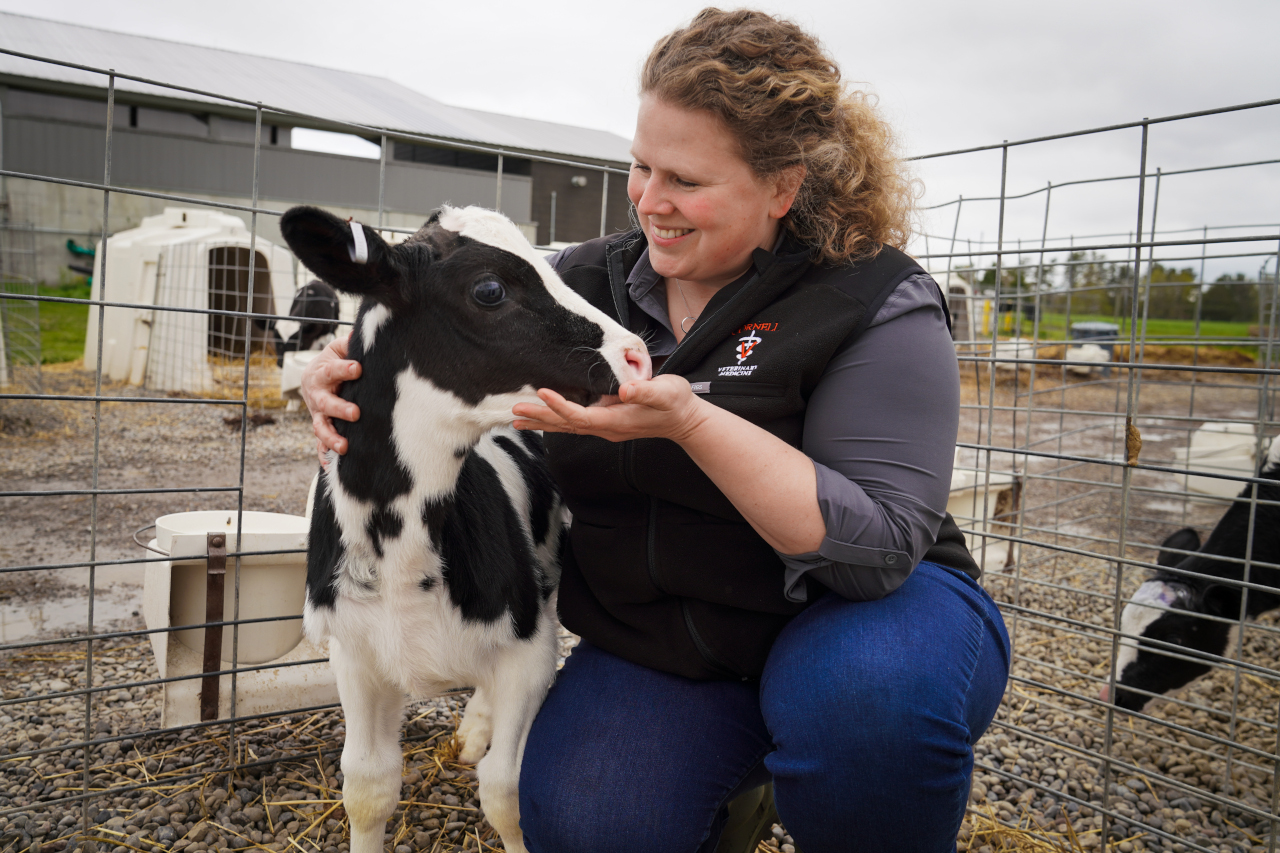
690, 318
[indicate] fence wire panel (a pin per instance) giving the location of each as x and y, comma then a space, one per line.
1118, 386
131, 717
1117, 378
19, 316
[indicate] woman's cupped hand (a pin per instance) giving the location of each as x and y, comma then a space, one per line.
662, 407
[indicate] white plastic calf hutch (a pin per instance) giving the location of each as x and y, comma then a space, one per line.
187, 258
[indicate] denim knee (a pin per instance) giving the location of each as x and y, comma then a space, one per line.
624, 758
874, 707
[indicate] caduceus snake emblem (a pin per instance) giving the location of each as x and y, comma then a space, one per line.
746, 345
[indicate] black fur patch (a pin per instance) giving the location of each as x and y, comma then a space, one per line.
370, 470
486, 561
384, 523
543, 497
324, 548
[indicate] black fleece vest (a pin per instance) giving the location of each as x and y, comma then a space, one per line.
659, 567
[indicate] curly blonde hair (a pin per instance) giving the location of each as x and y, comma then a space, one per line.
781, 97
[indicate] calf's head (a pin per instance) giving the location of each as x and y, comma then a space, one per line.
469, 305
1167, 615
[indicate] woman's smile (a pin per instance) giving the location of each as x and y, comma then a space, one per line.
670, 233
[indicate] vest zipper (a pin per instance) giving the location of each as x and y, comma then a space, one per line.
651, 538
703, 649
629, 463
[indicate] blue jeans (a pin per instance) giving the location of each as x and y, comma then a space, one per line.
865, 719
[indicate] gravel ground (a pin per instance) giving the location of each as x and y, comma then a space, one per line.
1049, 732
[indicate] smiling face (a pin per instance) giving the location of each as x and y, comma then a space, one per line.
702, 208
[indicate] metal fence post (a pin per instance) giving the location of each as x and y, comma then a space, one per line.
604, 202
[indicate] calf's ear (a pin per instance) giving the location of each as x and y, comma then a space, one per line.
1186, 539
1221, 600
347, 255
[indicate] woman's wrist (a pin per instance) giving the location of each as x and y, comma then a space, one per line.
695, 422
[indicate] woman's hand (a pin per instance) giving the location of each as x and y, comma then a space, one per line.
736, 454
662, 407
320, 383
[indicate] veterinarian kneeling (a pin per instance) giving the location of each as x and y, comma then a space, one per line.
760, 565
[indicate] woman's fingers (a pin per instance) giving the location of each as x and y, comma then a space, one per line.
320, 383
326, 434
660, 408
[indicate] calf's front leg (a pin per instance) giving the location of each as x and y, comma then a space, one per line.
520, 682
371, 756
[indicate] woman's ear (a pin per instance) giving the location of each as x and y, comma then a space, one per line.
786, 185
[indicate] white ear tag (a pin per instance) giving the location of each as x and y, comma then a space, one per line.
360, 251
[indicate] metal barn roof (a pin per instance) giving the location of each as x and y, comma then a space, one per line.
310, 89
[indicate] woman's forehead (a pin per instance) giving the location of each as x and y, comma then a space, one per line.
675, 138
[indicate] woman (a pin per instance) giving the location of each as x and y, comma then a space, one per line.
760, 563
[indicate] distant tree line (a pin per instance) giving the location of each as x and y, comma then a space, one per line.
1098, 285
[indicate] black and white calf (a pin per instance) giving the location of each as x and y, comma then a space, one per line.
314, 301
1170, 608
432, 558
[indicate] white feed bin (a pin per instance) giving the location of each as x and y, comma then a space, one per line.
1220, 449
1083, 360
271, 585
183, 258
1013, 348
985, 504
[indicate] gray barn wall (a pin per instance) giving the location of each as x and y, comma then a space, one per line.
577, 208
76, 213
184, 165
63, 142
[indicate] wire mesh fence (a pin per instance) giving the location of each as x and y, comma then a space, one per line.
1112, 395
19, 314
1115, 394
132, 715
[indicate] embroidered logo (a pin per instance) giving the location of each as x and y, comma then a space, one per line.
746, 345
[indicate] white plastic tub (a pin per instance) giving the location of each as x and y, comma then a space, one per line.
270, 585
1220, 449
980, 505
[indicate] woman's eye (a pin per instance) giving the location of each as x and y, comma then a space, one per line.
489, 293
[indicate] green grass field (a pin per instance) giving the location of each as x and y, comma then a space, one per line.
62, 324
1054, 327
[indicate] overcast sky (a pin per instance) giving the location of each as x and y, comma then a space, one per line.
948, 75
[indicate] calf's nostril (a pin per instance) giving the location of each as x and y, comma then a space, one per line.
640, 364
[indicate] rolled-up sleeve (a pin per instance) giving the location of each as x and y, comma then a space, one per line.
881, 429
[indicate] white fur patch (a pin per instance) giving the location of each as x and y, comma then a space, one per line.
374, 319
1148, 604
1273, 455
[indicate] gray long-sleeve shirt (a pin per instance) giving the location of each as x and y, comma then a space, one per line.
880, 428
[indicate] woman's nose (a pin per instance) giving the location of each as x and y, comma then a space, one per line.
653, 200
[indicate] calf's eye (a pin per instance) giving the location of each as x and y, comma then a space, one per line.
489, 293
